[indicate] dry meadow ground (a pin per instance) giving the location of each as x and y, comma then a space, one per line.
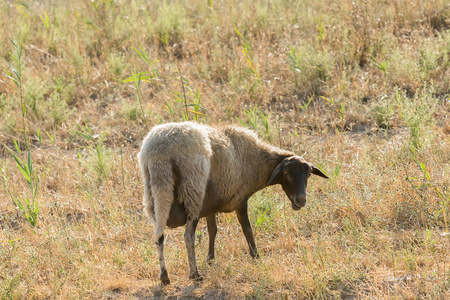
360, 88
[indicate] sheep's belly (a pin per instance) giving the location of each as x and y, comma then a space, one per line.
177, 216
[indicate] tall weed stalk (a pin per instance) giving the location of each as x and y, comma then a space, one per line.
138, 77
188, 102
28, 204
248, 52
97, 147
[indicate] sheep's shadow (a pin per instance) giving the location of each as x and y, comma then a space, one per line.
189, 292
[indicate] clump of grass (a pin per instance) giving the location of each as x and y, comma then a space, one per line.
44, 104
427, 212
9, 286
137, 78
35, 92
117, 64
131, 112
311, 67
99, 157
263, 211
57, 109
186, 102
383, 113
416, 113
258, 121
65, 89
171, 24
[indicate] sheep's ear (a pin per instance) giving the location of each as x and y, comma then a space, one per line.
274, 178
317, 171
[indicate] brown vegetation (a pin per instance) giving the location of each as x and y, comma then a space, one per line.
360, 87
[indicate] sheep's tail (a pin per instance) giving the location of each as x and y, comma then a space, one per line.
194, 169
162, 192
149, 205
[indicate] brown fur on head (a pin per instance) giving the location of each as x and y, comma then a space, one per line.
293, 173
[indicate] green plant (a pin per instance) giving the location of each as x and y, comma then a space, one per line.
65, 89
131, 112
57, 109
34, 93
103, 21
248, 52
380, 65
171, 23
263, 210
424, 184
9, 286
47, 25
416, 113
14, 72
383, 114
28, 204
137, 78
22, 7
295, 59
186, 102
320, 29
45, 21
101, 155
257, 120
143, 54
312, 67
116, 64
342, 110
304, 107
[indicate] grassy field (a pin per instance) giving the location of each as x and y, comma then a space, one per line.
360, 88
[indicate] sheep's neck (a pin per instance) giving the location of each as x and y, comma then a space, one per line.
271, 157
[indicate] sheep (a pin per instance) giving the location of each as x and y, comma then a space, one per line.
191, 171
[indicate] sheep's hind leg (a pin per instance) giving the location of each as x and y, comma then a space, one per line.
163, 275
242, 215
189, 239
212, 231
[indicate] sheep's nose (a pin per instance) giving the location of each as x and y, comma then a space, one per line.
301, 200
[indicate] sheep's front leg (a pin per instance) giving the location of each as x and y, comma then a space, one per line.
163, 275
189, 240
242, 215
212, 231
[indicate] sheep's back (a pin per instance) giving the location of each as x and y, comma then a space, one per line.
173, 140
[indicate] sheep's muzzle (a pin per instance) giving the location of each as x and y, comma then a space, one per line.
298, 201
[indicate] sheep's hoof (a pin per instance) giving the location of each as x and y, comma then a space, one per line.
164, 277
195, 276
165, 281
210, 259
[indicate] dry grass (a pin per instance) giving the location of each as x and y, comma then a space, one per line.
361, 87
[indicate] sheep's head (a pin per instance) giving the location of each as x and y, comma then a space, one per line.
293, 173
